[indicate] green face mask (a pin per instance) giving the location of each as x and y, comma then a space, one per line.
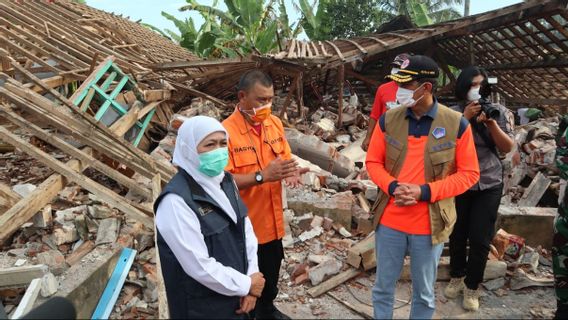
212, 163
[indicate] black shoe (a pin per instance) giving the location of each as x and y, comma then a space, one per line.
276, 314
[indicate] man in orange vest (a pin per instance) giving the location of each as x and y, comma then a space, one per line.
421, 156
259, 159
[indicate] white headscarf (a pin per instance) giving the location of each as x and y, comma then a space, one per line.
190, 134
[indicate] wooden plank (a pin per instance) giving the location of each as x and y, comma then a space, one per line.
122, 125
358, 46
7, 197
535, 191
340, 83
163, 311
27, 207
27, 302
363, 254
86, 132
333, 282
78, 254
361, 77
362, 309
156, 95
195, 64
289, 96
85, 158
21, 276
339, 54
149, 107
103, 193
200, 94
114, 285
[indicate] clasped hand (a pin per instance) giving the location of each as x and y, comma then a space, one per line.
407, 194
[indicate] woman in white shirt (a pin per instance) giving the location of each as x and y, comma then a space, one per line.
207, 246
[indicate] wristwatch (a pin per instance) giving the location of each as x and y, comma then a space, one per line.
258, 177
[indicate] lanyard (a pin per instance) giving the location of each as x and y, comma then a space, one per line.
252, 142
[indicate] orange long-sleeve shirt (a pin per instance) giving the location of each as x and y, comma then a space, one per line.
251, 151
415, 219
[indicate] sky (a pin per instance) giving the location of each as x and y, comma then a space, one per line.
150, 10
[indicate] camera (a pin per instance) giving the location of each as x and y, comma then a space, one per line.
486, 106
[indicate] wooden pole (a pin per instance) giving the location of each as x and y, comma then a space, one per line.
341, 80
325, 81
300, 95
293, 86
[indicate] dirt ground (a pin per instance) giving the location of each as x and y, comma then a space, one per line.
534, 303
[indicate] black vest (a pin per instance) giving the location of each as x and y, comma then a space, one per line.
225, 242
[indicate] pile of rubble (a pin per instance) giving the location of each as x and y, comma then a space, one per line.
81, 231
530, 169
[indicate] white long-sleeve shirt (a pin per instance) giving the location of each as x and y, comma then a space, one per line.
181, 230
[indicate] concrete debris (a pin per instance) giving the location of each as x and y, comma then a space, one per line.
108, 231
65, 234
101, 212
530, 259
54, 260
345, 233
529, 223
20, 262
327, 268
24, 189
311, 234
320, 153
521, 280
494, 284
337, 207
67, 216
318, 258
49, 285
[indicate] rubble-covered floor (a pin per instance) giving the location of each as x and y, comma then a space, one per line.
531, 303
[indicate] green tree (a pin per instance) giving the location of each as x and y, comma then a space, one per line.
422, 12
247, 26
351, 18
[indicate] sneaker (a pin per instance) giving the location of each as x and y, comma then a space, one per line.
470, 299
276, 314
454, 288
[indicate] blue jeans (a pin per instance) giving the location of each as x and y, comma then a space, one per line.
391, 247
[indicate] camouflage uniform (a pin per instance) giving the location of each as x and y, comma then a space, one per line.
560, 242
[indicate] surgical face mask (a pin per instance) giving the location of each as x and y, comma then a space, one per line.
260, 114
212, 163
395, 70
405, 97
473, 94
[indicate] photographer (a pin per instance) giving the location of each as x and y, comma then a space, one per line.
477, 208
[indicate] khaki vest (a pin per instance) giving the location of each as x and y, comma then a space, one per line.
439, 162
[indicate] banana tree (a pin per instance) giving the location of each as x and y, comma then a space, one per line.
250, 24
314, 23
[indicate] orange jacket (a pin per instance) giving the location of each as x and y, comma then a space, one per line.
250, 152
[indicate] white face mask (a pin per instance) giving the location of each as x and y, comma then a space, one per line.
405, 97
473, 94
395, 70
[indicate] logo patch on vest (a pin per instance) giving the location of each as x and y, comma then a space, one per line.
205, 210
439, 132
